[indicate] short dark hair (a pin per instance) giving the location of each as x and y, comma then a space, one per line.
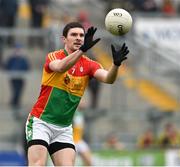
71, 25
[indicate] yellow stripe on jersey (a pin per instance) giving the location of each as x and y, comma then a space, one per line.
74, 85
52, 56
49, 56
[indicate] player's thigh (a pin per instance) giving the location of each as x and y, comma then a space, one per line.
37, 155
64, 157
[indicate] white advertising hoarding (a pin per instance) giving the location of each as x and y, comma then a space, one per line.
163, 32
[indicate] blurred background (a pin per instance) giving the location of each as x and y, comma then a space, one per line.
133, 122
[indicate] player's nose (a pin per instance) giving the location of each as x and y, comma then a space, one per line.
79, 38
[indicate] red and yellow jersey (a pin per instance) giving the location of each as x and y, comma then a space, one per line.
61, 92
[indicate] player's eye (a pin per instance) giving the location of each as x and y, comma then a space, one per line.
81, 35
74, 34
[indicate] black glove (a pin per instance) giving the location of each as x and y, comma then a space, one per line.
119, 55
88, 39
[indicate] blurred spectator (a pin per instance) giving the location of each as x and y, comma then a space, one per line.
149, 6
168, 8
178, 7
8, 13
113, 143
16, 64
78, 133
147, 140
38, 9
83, 18
1, 51
129, 5
170, 137
94, 85
145, 5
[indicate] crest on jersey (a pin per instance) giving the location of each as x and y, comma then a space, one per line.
66, 79
81, 69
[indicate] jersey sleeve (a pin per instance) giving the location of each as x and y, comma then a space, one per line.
94, 67
51, 57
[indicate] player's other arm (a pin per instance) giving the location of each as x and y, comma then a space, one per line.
118, 57
107, 76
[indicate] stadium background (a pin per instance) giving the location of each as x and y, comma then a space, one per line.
145, 96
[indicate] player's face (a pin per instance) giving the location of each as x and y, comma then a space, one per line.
74, 39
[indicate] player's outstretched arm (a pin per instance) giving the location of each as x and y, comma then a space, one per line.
118, 57
66, 63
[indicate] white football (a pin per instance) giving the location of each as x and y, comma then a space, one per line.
118, 21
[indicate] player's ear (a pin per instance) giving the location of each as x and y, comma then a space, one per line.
63, 39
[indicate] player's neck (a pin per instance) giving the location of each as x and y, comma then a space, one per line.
68, 50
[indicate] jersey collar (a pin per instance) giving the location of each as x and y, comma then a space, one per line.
65, 52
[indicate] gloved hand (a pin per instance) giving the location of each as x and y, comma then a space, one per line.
119, 55
88, 39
